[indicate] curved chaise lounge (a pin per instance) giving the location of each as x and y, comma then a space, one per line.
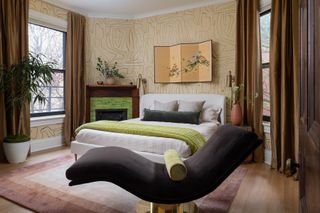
148, 180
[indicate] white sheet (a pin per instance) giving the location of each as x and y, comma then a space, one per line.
142, 143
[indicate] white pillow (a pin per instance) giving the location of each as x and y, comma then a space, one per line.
188, 106
169, 106
210, 113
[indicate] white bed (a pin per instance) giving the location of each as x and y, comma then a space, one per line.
148, 146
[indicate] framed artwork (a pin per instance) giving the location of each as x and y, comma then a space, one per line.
190, 62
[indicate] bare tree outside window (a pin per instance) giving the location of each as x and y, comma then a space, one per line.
51, 44
265, 51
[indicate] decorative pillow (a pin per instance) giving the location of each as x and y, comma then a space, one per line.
169, 106
188, 106
210, 113
175, 117
176, 169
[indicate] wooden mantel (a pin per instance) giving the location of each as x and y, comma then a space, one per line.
113, 91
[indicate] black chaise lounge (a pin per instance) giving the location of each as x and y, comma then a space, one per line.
148, 180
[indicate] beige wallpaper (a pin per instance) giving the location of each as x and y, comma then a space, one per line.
47, 131
131, 42
48, 9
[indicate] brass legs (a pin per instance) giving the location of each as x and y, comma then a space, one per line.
147, 207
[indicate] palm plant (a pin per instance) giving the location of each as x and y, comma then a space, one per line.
22, 81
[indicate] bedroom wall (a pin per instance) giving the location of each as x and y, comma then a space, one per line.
131, 42
48, 9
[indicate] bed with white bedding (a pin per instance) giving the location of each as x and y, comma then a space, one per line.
152, 147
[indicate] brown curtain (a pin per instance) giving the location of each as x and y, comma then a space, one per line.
248, 66
14, 16
75, 68
284, 80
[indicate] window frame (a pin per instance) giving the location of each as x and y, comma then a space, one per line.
62, 112
266, 65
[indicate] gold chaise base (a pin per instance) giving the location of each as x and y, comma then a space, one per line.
147, 207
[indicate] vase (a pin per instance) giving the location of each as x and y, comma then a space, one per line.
110, 81
236, 114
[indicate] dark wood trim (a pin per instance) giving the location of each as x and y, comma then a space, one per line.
113, 91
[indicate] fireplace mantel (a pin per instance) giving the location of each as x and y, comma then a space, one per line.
113, 91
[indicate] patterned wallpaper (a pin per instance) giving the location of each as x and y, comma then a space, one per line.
48, 9
47, 131
131, 42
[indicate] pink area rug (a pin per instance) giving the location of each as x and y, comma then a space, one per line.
42, 187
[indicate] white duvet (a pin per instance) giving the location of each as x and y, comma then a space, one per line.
157, 145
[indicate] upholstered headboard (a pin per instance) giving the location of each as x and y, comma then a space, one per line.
147, 101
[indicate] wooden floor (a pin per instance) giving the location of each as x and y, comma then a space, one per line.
262, 190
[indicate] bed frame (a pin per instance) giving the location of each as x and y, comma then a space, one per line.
147, 101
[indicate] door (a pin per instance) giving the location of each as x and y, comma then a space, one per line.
310, 106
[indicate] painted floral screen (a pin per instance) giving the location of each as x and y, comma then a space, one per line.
190, 62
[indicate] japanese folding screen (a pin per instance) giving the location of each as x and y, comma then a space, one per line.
183, 63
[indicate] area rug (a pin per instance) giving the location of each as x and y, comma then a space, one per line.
42, 187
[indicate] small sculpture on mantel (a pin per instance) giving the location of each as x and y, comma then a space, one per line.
109, 71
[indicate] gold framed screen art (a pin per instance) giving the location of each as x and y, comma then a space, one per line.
179, 63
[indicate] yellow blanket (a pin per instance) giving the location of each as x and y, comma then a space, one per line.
193, 138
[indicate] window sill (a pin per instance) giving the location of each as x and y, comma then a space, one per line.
46, 120
266, 127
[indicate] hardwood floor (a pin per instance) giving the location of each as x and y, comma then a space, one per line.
262, 191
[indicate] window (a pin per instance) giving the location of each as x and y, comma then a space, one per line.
265, 49
51, 44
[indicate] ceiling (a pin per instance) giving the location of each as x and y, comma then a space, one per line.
130, 9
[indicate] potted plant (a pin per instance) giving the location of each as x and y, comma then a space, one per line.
110, 72
23, 83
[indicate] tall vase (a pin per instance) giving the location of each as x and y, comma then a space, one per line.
236, 114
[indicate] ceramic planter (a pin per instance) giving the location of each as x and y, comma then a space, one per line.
236, 114
110, 81
16, 152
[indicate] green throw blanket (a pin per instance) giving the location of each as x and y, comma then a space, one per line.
193, 138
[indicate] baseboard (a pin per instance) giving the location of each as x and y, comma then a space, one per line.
46, 143
267, 156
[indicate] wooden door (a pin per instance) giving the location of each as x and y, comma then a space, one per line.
310, 106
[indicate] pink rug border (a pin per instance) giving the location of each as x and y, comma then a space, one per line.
219, 200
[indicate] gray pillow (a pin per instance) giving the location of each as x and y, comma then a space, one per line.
188, 106
210, 113
175, 117
168, 106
